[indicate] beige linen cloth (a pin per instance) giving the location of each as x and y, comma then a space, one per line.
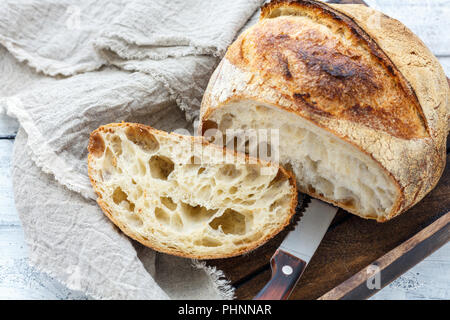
67, 67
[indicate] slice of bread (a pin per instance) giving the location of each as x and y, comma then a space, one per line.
183, 196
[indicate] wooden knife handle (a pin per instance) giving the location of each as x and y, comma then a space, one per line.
286, 270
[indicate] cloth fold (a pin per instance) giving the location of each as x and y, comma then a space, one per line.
71, 66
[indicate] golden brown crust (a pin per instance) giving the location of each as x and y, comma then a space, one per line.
414, 90
326, 64
147, 131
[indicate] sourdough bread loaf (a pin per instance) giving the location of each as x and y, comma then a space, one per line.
183, 196
361, 105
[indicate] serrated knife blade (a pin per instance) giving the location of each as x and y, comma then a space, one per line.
296, 250
303, 241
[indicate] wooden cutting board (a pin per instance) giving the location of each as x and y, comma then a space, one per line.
351, 249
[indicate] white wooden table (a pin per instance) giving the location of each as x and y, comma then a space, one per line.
430, 279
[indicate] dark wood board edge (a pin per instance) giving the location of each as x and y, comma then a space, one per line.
395, 262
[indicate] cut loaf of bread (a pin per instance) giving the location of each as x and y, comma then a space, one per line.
361, 105
183, 196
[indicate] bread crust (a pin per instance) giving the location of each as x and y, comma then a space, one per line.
412, 153
93, 146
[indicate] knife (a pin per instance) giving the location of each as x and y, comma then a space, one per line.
296, 250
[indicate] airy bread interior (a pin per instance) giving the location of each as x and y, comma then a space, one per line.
180, 195
325, 166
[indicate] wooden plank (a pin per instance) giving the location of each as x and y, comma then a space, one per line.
8, 213
429, 279
8, 127
427, 19
394, 263
249, 289
18, 280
